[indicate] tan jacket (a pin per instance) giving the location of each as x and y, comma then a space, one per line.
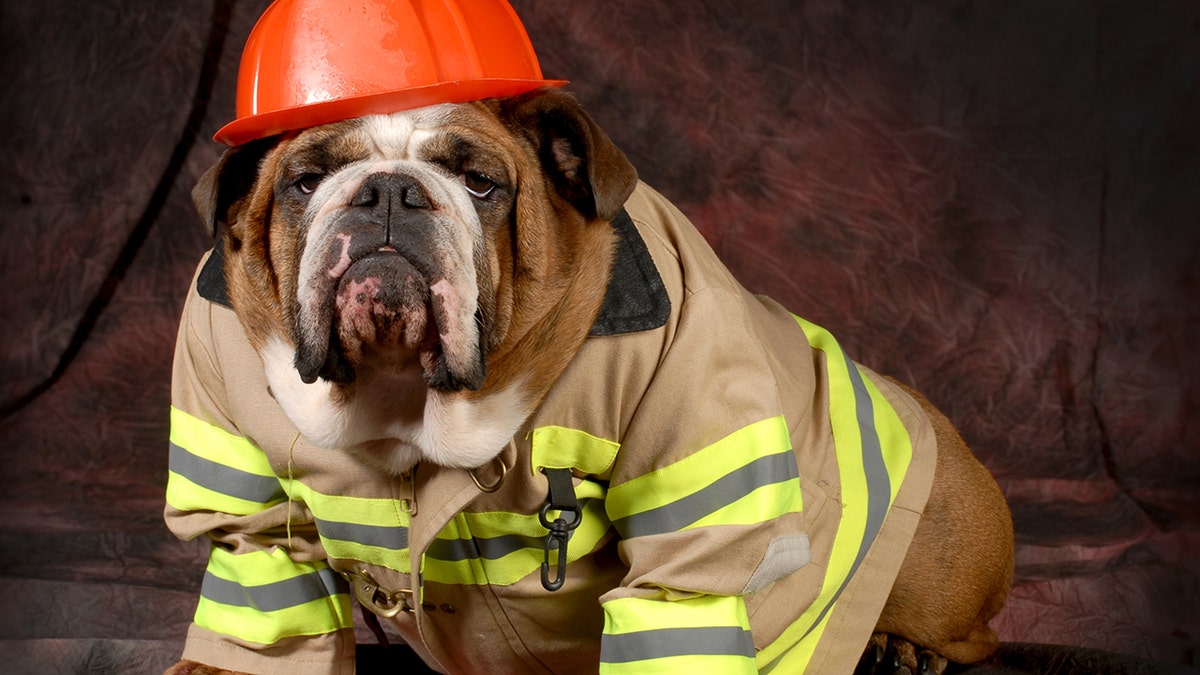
747, 497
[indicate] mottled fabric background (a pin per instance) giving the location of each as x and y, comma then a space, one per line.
998, 202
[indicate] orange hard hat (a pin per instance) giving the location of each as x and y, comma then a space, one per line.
311, 62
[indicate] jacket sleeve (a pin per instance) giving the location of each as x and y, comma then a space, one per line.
705, 495
268, 601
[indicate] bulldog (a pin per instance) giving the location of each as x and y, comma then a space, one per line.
453, 310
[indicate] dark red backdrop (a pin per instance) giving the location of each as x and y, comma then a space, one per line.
998, 202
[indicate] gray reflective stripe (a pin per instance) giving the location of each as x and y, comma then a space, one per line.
768, 470
879, 484
225, 479
493, 548
879, 490
665, 642
275, 596
390, 537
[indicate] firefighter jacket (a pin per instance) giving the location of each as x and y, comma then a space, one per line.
746, 494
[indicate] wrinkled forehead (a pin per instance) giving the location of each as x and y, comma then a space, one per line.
435, 132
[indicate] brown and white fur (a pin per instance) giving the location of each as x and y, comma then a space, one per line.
433, 337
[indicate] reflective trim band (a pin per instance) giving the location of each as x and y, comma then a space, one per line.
214, 470
248, 487
488, 548
745, 484
500, 549
895, 444
668, 642
391, 538
184, 495
213, 443
371, 530
562, 448
873, 453
271, 597
753, 468
707, 633
264, 596
875, 470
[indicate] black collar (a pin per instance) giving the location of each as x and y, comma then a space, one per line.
636, 299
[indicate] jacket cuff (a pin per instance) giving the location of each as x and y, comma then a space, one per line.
328, 654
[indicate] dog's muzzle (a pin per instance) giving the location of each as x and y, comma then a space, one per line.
387, 277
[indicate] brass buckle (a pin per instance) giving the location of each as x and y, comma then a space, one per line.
380, 601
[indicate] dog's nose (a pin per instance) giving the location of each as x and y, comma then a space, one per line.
391, 191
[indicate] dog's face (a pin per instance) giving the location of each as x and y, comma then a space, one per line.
414, 282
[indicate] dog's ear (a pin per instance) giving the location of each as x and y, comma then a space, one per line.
229, 181
587, 168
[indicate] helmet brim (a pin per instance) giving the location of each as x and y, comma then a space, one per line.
313, 114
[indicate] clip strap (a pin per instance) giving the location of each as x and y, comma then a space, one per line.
562, 499
379, 600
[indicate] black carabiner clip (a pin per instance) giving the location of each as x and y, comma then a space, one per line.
562, 499
556, 540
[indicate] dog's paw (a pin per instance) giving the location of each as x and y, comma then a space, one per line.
890, 655
193, 668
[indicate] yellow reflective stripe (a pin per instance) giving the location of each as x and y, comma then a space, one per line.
264, 596
256, 568
500, 549
793, 659
492, 523
706, 633
213, 443
634, 614
765, 503
214, 470
358, 528
669, 483
185, 495
466, 570
869, 440
226, 480
694, 489
313, 618
893, 438
562, 448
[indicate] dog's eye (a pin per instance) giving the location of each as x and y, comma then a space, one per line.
478, 184
307, 184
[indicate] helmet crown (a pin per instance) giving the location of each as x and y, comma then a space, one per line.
312, 62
